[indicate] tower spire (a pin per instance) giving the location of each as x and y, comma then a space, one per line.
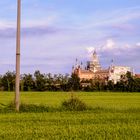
94, 53
95, 64
112, 62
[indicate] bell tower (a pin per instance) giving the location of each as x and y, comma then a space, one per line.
95, 64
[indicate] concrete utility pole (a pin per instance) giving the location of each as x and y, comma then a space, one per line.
17, 88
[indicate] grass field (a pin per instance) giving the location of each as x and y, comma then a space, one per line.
113, 116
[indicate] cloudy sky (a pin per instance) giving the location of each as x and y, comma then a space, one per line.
56, 32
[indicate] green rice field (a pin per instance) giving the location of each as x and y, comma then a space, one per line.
112, 116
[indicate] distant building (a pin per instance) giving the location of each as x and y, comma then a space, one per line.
137, 75
117, 71
93, 70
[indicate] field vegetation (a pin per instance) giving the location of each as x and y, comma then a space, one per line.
111, 116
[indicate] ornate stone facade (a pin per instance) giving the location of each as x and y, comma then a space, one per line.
94, 65
94, 70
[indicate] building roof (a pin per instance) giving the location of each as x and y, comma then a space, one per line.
137, 75
121, 66
86, 72
103, 71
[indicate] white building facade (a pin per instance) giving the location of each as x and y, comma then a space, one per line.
116, 72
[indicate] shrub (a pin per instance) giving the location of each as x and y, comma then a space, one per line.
26, 108
7, 108
74, 104
33, 108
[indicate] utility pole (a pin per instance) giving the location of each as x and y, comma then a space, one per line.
17, 84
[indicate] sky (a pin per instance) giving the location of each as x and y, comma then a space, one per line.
56, 32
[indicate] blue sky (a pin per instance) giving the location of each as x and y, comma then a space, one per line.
56, 32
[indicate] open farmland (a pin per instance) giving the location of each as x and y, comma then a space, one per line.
111, 116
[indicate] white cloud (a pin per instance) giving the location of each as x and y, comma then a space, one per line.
115, 18
6, 24
90, 49
138, 44
110, 44
41, 22
113, 48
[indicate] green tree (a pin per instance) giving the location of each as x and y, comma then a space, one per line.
1, 87
64, 82
40, 81
49, 81
110, 86
137, 84
28, 82
130, 82
74, 82
8, 81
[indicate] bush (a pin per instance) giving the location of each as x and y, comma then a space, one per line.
10, 108
33, 108
74, 104
7, 108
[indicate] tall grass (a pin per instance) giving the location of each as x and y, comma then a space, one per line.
111, 116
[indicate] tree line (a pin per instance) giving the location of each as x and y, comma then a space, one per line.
58, 82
